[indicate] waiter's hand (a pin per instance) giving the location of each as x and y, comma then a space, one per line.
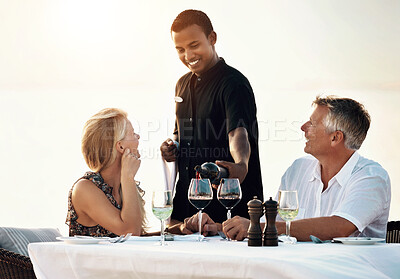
208, 226
238, 170
168, 150
236, 228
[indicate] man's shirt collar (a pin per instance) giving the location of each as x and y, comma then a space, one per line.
210, 73
343, 176
316, 174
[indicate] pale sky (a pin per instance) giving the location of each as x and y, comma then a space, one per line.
62, 61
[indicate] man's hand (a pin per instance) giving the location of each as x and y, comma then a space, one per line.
238, 170
208, 226
236, 228
168, 150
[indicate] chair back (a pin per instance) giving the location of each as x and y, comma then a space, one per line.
15, 266
393, 232
14, 258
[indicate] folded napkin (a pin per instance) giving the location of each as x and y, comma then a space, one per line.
170, 172
144, 238
188, 237
284, 238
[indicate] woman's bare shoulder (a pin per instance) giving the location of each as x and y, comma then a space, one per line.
84, 187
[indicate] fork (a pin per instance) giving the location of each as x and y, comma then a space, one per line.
122, 238
116, 240
127, 236
318, 241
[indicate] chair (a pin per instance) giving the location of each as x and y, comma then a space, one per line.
14, 258
393, 232
15, 266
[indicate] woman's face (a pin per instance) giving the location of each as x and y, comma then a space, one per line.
131, 139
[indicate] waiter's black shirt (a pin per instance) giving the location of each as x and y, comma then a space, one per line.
209, 107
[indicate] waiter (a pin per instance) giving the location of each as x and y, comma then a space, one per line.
215, 119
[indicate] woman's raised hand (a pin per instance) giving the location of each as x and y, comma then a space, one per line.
130, 163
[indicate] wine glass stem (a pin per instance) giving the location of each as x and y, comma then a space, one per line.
162, 233
288, 228
200, 216
228, 215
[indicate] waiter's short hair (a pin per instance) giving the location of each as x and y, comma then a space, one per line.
348, 116
190, 17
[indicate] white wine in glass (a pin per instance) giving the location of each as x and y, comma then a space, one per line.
162, 208
288, 210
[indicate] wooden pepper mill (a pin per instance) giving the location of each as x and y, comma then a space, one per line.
270, 231
254, 232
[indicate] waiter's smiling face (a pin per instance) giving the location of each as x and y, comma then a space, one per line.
195, 49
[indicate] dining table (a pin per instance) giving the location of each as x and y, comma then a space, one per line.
213, 257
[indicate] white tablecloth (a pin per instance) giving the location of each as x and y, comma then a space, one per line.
214, 259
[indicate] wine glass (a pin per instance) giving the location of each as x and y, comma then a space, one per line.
200, 194
162, 208
288, 209
229, 194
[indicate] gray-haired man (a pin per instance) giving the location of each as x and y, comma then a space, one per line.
340, 192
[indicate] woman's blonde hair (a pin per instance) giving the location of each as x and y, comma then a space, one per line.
100, 136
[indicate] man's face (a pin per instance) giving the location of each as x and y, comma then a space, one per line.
318, 141
195, 49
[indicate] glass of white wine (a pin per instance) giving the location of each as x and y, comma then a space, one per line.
288, 209
162, 208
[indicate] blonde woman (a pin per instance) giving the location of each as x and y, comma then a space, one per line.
107, 201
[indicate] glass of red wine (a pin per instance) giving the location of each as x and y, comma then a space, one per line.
229, 193
200, 194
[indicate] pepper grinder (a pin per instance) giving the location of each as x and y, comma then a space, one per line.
270, 231
254, 232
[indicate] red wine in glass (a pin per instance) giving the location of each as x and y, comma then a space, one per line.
200, 195
229, 201
199, 202
229, 193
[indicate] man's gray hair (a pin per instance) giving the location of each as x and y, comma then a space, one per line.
348, 116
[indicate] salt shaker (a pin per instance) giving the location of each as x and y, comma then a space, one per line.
270, 231
254, 232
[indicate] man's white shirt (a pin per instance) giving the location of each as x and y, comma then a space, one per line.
359, 192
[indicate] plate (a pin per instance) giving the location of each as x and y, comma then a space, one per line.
359, 240
80, 239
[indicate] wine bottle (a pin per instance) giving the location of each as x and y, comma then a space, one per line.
212, 171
